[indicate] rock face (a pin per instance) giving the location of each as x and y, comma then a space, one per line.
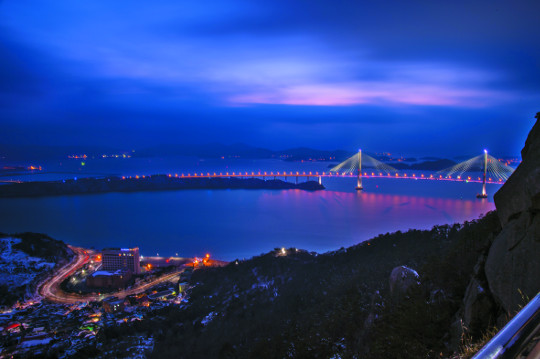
521, 192
513, 264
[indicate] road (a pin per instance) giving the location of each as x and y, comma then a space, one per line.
51, 290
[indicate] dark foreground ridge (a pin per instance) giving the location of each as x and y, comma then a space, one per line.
148, 183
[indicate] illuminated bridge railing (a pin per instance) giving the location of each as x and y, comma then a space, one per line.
280, 174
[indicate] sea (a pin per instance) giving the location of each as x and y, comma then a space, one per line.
234, 224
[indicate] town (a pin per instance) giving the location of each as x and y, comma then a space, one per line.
94, 291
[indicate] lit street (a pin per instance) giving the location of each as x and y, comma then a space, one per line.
51, 290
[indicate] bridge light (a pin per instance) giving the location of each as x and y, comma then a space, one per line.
485, 151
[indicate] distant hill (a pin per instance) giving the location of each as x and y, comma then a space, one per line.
241, 150
210, 150
38, 152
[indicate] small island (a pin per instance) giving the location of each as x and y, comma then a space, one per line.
144, 183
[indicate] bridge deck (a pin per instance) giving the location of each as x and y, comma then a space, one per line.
308, 175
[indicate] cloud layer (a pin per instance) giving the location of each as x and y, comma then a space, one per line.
250, 68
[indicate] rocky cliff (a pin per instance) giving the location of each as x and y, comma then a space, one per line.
513, 264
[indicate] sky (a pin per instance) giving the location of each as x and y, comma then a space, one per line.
418, 77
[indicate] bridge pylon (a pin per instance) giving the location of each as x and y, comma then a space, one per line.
359, 175
353, 166
493, 171
484, 193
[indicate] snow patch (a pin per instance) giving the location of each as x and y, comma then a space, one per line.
208, 318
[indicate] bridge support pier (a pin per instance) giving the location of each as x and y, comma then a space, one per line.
320, 180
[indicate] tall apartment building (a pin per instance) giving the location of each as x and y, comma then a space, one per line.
114, 259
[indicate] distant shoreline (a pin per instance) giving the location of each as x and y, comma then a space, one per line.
148, 183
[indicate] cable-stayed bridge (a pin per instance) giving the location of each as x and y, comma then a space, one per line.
480, 169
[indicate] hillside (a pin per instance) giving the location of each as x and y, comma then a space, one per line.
25, 259
293, 303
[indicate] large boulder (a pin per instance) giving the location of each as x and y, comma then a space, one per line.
402, 281
513, 264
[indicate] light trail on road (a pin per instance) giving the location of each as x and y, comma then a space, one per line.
50, 289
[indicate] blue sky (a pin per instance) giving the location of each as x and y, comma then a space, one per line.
412, 77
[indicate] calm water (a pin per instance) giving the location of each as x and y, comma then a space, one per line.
241, 223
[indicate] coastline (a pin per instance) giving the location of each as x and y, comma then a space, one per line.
146, 183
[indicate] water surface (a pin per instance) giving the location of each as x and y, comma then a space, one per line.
242, 223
